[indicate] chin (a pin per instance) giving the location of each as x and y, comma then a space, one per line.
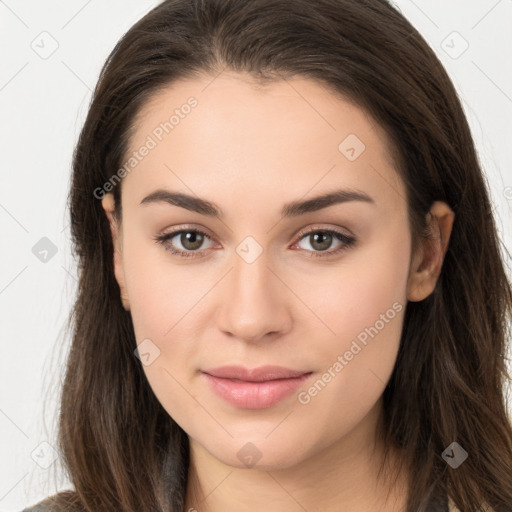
260, 454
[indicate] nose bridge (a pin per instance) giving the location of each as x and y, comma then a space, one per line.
251, 277
253, 305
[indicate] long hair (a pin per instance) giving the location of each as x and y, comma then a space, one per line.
120, 448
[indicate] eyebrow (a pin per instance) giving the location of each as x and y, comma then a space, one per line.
292, 209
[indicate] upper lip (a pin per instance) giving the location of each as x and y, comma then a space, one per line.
260, 374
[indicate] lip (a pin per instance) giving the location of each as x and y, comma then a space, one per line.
256, 388
260, 374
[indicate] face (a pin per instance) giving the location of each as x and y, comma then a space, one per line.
319, 288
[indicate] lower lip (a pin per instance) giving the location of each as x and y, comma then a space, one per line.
254, 395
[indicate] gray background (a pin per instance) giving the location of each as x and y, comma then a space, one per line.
51, 54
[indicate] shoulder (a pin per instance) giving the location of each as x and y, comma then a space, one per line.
39, 507
65, 501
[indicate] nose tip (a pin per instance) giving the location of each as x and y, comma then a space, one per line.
253, 306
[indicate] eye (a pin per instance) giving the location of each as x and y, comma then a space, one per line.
192, 239
321, 240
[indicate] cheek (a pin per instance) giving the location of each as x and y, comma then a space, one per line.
164, 303
365, 309
363, 297
161, 292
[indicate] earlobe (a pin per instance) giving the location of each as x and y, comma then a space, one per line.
428, 262
108, 205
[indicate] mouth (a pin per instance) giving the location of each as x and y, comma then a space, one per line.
260, 374
258, 388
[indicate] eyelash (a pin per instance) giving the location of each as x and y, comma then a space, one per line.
348, 241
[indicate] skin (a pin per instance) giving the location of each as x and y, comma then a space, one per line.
250, 150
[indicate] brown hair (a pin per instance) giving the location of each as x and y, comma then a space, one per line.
120, 447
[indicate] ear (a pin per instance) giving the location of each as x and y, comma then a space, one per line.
428, 260
108, 205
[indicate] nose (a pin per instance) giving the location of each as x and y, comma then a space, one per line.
254, 302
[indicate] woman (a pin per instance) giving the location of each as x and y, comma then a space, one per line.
291, 292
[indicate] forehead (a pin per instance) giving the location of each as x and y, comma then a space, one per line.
211, 134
